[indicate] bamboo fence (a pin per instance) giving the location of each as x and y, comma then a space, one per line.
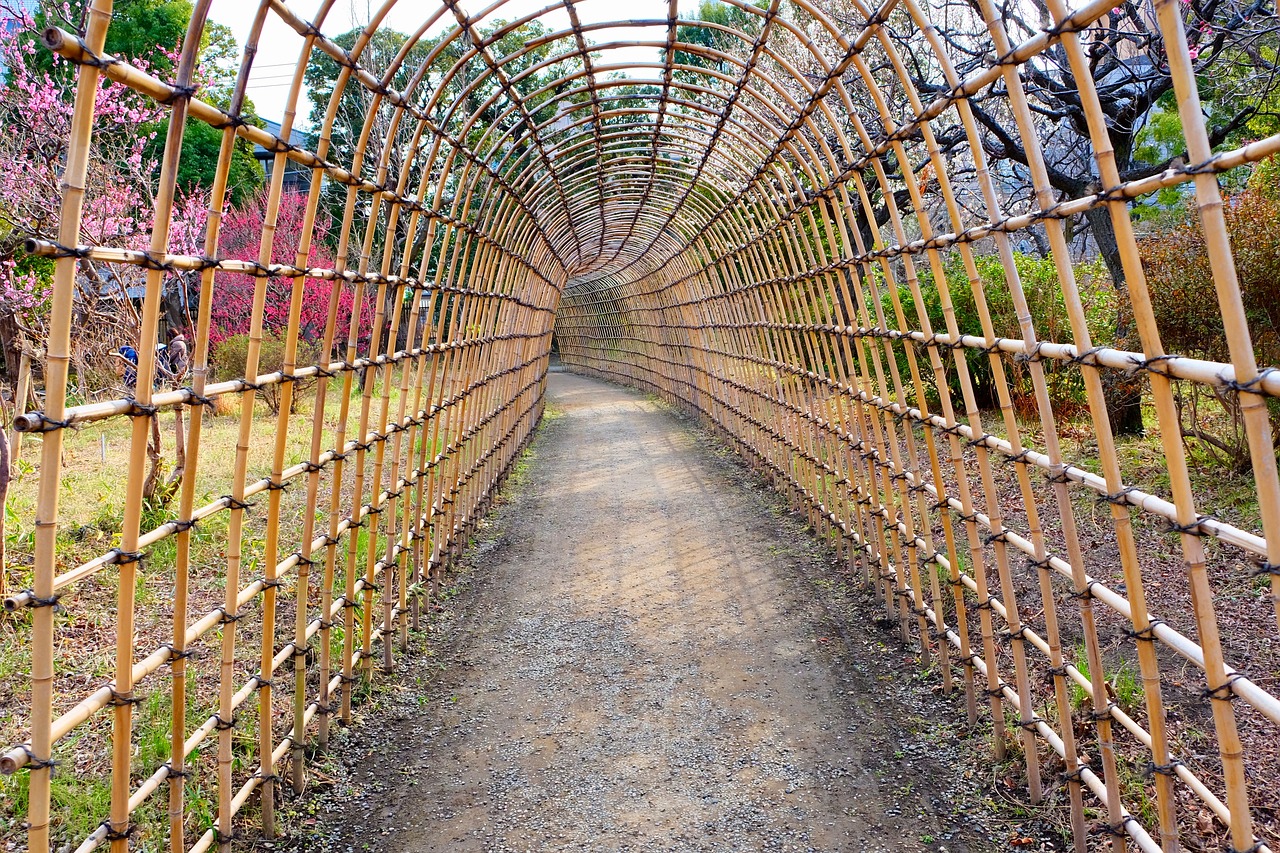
699, 240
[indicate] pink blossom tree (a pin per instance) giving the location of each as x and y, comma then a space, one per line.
36, 107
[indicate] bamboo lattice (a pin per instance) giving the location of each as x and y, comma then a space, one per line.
695, 235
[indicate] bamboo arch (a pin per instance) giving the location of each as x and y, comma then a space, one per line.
691, 229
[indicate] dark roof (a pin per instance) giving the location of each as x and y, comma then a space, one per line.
296, 137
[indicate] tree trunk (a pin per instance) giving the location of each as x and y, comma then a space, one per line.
154, 456
1123, 393
179, 451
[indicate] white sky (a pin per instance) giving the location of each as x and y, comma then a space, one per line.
279, 46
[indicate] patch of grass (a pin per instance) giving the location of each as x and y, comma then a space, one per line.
1125, 686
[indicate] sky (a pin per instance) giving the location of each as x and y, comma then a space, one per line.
279, 46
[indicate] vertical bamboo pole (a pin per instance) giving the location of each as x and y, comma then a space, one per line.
57, 359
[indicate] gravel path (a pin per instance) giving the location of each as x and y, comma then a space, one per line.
646, 657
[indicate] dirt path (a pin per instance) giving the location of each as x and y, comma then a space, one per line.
647, 659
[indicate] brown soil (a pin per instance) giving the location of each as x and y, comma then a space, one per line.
648, 654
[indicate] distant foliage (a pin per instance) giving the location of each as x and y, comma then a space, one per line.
1043, 290
1180, 278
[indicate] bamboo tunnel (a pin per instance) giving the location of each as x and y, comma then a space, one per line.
749, 226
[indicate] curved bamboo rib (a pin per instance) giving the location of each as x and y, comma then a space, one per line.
694, 225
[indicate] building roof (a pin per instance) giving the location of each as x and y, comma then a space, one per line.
296, 137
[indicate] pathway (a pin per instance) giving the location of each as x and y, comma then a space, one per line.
646, 660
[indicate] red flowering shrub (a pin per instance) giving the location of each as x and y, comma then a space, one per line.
232, 312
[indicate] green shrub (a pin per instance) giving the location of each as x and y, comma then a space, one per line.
1039, 278
231, 356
